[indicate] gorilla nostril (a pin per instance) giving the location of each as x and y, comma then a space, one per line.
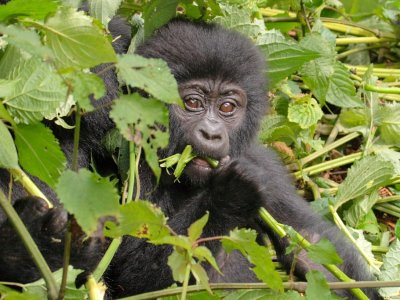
211, 136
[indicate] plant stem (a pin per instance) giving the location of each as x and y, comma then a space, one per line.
267, 217
136, 168
355, 50
30, 245
77, 131
132, 174
298, 286
362, 40
106, 259
29, 185
329, 147
388, 199
389, 209
381, 89
186, 282
343, 227
66, 258
334, 163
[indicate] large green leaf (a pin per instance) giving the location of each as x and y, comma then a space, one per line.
323, 252
88, 197
38, 92
137, 119
244, 240
305, 111
140, 219
151, 75
158, 13
317, 287
39, 152
391, 269
375, 172
76, 41
8, 153
103, 10
35, 9
390, 124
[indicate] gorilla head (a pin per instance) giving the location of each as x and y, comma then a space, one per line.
222, 84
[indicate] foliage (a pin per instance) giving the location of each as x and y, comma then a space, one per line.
334, 88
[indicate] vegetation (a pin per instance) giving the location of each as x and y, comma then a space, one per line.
335, 119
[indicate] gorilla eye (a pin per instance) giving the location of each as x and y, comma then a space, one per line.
193, 104
227, 107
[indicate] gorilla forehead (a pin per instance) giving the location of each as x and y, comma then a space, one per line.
208, 51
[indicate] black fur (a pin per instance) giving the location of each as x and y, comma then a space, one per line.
250, 175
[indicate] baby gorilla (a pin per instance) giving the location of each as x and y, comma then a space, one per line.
221, 80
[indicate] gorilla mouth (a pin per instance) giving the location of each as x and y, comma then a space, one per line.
206, 163
201, 162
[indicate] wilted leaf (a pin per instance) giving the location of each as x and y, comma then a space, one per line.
151, 75
8, 153
76, 41
39, 152
88, 197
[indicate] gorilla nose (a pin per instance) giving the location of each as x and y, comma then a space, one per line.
211, 140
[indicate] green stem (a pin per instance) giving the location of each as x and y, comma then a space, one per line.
355, 50
186, 282
66, 259
132, 164
77, 132
362, 40
329, 147
29, 185
136, 168
334, 163
106, 259
388, 199
381, 89
30, 245
389, 209
343, 227
305, 245
298, 286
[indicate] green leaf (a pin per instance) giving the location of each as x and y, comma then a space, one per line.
355, 215
25, 39
323, 252
137, 118
341, 91
85, 85
283, 57
180, 241
151, 75
201, 276
71, 292
76, 41
38, 92
390, 124
244, 240
39, 152
391, 269
8, 153
317, 287
103, 10
397, 229
35, 9
7, 87
157, 13
178, 261
88, 197
202, 253
375, 172
255, 294
305, 111
140, 219
196, 229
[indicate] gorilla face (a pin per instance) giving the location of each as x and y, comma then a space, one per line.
214, 110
